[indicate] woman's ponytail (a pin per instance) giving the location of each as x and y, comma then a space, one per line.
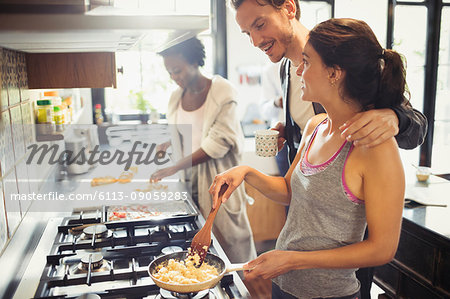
392, 86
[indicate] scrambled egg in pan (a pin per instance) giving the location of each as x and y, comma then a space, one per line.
185, 272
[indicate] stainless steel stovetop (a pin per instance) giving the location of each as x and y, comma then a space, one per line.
94, 258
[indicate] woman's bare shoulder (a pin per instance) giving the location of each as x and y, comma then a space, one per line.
312, 123
383, 155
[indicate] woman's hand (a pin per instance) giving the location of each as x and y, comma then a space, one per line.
162, 173
161, 149
232, 177
269, 265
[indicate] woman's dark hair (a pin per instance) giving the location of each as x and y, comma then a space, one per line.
375, 77
275, 3
192, 50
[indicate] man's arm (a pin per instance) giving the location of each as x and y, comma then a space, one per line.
374, 127
413, 126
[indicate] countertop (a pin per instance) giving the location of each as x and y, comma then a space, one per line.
434, 192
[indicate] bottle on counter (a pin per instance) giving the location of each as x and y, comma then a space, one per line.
63, 107
59, 118
56, 101
98, 114
69, 112
45, 117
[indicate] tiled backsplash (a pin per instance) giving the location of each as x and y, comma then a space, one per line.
16, 133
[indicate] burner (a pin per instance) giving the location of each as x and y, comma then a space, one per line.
96, 260
98, 230
98, 264
205, 294
171, 249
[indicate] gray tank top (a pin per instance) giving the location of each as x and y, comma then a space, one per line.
321, 216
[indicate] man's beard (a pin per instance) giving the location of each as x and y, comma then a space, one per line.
285, 42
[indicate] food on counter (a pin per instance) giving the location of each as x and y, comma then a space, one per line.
153, 186
125, 177
185, 272
104, 180
131, 212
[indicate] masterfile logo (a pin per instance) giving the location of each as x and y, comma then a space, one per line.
52, 154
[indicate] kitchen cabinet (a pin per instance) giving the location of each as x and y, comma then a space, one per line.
71, 70
266, 217
420, 268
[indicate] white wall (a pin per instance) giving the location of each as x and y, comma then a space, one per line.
86, 115
241, 53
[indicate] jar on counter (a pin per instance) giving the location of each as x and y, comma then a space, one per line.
53, 96
45, 117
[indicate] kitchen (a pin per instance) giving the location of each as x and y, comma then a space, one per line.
233, 57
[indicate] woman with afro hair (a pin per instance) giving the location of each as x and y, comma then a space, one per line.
210, 139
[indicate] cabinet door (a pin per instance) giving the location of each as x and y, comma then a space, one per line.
266, 217
71, 70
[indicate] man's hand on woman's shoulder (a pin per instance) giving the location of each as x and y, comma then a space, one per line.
371, 128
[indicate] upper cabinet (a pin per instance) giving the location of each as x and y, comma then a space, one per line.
69, 70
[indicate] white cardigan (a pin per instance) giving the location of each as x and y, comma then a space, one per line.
222, 140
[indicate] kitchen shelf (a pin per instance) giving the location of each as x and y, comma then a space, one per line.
49, 137
59, 135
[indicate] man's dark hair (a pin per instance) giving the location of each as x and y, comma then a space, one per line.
275, 3
192, 50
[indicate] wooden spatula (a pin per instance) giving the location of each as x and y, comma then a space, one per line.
202, 239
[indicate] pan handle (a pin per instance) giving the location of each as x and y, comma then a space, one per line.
236, 267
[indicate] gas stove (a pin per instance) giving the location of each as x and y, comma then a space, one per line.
94, 258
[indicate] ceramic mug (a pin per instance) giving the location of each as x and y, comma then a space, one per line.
266, 142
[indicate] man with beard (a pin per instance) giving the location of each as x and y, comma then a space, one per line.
274, 27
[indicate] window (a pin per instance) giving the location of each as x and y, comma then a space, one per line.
421, 44
144, 70
374, 13
314, 12
441, 140
413, 49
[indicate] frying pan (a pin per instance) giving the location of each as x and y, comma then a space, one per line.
210, 258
